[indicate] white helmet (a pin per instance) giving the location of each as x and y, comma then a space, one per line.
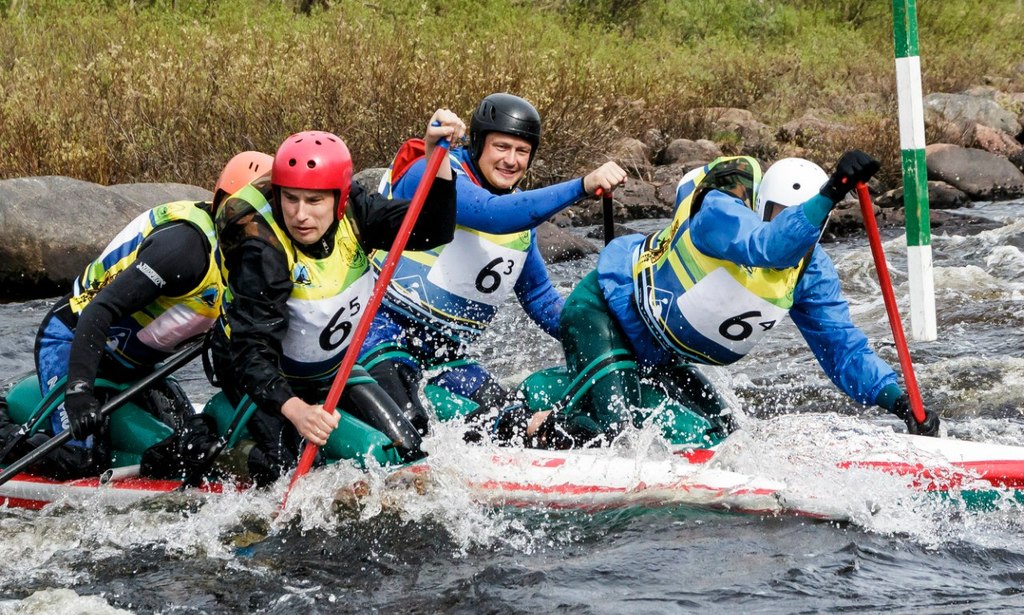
790, 181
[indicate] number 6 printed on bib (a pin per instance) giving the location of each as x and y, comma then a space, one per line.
477, 269
320, 329
722, 310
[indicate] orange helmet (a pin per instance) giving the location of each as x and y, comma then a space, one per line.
239, 171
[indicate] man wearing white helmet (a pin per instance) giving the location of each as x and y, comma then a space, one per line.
740, 254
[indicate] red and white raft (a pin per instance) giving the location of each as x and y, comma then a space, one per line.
119, 487
597, 479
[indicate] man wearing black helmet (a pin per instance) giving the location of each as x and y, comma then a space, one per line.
440, 300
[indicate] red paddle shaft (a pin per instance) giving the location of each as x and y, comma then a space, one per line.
868, 212
438, 156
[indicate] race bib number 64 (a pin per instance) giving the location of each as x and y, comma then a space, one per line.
724, 311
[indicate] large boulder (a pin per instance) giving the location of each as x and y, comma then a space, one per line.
981, 175
149, 195
50, 227
557, 245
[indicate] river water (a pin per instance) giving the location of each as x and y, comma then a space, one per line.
397, 551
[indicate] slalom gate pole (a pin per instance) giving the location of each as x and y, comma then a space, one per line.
915, 172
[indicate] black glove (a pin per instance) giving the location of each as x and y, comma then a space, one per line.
930, 426
83, 409
855, 166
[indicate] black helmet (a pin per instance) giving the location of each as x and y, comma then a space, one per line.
508, 114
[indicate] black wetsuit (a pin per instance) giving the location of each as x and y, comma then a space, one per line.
260, 283
171, 261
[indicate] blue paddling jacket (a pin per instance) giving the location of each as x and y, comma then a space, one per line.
742, 276
457, 288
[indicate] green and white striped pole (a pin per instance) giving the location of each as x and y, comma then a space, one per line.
915, 172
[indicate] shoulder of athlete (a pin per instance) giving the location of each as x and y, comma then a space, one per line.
238, 221
406, 185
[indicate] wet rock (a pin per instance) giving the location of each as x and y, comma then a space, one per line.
960, 224
940, 196
639, 199
557, 245
618, 230
981, 175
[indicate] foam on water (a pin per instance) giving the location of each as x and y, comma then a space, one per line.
51, 543
59, 602
809, 453
319, 498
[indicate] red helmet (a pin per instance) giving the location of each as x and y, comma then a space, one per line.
239, 171
314, 160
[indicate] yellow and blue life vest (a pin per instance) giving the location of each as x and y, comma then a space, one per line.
709, 310
153, 333
459, 286
327, 299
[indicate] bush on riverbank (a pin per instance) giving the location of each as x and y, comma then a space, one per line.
166, 90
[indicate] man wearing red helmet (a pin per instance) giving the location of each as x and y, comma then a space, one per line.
154, 287
294, 257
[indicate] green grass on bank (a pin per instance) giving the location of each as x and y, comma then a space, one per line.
167, 90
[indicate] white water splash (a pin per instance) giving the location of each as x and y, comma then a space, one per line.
59, 602
811, 454
443, 498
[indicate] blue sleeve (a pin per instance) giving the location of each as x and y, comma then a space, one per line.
407, 184
727, 229
500, 214
536, 294
821, 313
817, 209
